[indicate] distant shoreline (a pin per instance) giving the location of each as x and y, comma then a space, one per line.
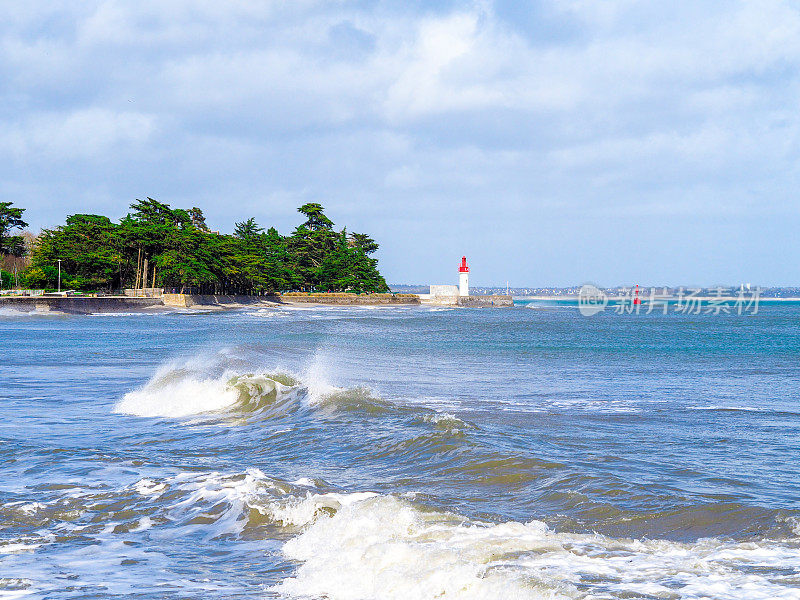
168, 302
612, 299
211, 303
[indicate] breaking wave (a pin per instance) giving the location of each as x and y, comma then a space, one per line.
386, 547
186, 390
364, 545
357, 545
368, 545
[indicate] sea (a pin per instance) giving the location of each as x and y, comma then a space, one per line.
401, 453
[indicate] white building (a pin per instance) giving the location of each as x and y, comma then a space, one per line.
463, 278
449, 294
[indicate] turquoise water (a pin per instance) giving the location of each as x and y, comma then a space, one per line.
400, 453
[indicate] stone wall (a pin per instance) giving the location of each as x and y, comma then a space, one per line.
143, 292
78, 304
187, 300
469, 301
87, 305
486, 301
351, 299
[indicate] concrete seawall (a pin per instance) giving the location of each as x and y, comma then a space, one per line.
200, 301
78, 304
352, 299
106, 304
221, 301
499, 301
486, 301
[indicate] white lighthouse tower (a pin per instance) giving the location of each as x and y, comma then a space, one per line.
463, 278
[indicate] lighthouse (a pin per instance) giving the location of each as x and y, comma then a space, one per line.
463, 278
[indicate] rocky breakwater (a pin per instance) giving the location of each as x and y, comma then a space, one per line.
486, 301
345, 299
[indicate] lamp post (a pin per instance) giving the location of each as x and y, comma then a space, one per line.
59, 275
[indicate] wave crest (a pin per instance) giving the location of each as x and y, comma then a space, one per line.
369, 545
386, 547
181, 391
184, 391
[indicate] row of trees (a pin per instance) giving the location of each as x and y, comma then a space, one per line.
97, 253
12, 247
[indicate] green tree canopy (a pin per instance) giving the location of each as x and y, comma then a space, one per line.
198, 218
173, 248
10, 219
315, 217
363, 242
247, 230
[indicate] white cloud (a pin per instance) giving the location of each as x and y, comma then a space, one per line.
87, 134
425, 82
387, 109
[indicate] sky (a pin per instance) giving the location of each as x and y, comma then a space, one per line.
552, 142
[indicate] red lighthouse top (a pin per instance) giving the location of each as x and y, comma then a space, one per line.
463, 268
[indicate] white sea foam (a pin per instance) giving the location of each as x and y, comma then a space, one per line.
383, 547
194, 388
360, 546
447, 422
148, 487
440, 402
179, 398
294, 511
16, 547
717, 407
123, 314
15, 587
305, 482
794, 523
207, 490
266, 313
437, 418
144, 524
200, 386
11, 313
27, 508
316, 380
